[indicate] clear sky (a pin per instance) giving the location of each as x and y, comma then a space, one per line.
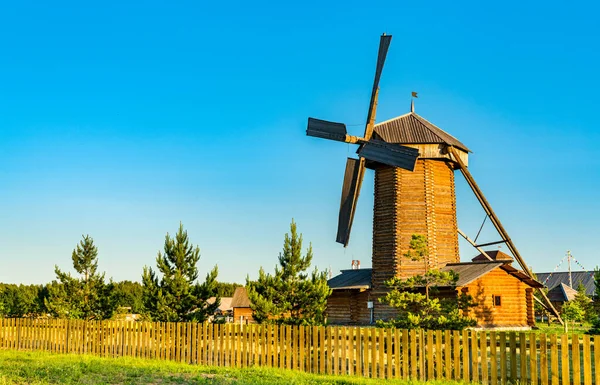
120, 119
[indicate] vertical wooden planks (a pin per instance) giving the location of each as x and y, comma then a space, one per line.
533, 367
381, 350
321, 349
466, 356
373, 351
484, 357
429, 356
456, 354
523, 357
554, 375
597, 359
503, 369
587, 361
543, 359
413, 354
474, 357
564, 360
438, 355
344, 369
315, 349
576, 359
513, 356
447, 354
389, 356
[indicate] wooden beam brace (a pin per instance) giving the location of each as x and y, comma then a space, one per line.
491, 243
474, 245
498, 225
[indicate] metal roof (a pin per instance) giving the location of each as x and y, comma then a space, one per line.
555, 279
561, 293
414, 129
351, 279
240, 298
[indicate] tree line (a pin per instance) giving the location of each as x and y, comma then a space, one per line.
174, 290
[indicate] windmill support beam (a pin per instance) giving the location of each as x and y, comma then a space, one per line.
498, 225
490, 243
474, 245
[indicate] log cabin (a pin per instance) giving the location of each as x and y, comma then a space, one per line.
242, 313
503, 295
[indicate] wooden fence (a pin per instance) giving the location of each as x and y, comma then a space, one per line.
482, 357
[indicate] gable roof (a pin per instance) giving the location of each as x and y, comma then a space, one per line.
351, 279
224, 305
470, 271
552, 280
496, 255
240, 298
413, 129
562, 293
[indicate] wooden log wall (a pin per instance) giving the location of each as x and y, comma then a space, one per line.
516, 308
419, 202
494, 358
348, 307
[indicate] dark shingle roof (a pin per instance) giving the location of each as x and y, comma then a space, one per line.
470, 271
561, 293
585, 277
351, 279
414, 129
240, 298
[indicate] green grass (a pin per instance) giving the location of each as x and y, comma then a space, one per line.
38, 368
556, 328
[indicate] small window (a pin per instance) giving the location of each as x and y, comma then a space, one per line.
497, 300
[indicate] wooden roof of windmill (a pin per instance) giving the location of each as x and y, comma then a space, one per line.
412, 128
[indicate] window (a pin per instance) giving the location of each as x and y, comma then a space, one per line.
497, 300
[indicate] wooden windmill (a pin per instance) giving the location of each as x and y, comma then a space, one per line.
414, 163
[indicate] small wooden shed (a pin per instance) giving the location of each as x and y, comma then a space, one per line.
242, 313
348, 303
503, 295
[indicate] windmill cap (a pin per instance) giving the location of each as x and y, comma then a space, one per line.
411, 128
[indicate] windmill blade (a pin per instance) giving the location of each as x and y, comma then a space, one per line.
384, 44
353, 176
390, 154
324, 129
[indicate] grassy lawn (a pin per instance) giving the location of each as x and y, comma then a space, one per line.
556, 328
45, 368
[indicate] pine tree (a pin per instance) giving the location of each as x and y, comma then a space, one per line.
83, 298
291, 295
178, 296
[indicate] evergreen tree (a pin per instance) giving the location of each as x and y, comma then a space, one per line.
177, 295
418, 307
86, 297
291, 295
127, 297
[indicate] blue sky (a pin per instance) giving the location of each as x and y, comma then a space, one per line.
121, 119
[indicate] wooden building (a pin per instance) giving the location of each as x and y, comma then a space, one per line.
560, 294
242, 313
503, 295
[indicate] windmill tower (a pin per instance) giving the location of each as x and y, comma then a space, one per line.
414, 163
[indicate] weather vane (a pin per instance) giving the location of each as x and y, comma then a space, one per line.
412, 101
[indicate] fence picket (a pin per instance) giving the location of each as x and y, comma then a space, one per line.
587, 361
575, 355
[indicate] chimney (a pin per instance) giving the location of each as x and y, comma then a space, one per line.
355, 264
